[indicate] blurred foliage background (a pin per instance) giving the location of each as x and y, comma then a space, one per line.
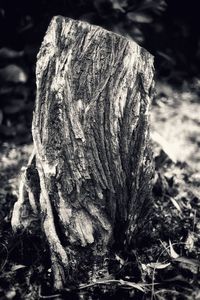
169, 29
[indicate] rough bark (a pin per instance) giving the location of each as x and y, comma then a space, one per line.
89, 178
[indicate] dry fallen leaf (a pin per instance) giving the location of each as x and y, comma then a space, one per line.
173, 253
158, 265
175, 203
17, 267
189, 244
189, 261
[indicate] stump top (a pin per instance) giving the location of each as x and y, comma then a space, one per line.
84, 25
78, 42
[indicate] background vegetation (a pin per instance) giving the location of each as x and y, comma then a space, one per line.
165, 261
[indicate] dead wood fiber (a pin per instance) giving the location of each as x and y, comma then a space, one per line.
88, 181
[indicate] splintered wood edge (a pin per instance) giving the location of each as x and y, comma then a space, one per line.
60, 18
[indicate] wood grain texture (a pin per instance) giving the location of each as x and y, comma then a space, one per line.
89, 178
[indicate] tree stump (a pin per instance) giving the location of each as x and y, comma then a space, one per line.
88, 181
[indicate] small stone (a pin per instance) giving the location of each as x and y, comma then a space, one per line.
7, 53
10, 294
13, 73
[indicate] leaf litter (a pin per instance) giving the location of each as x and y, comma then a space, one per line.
166, 253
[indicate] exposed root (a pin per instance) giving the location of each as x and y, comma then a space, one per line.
25, 210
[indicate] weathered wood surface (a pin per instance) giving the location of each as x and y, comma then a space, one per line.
89, 178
